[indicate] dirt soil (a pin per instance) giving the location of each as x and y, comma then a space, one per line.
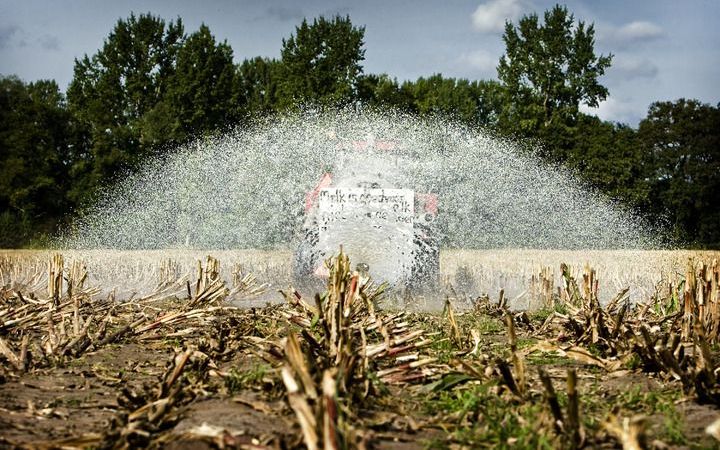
184, 368
75, 404
62, 406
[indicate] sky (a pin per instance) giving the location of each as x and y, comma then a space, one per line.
663, 49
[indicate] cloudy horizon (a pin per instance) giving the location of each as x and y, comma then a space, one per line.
662, 50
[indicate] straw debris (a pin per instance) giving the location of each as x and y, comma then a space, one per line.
188, 363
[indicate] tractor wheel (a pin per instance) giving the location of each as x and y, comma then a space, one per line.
305, 258
426, 264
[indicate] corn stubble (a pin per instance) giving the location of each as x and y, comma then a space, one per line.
348, 352
344, 372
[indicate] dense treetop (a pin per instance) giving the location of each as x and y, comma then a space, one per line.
550, 68
151, 86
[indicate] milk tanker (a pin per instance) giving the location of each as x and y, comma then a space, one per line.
366, 204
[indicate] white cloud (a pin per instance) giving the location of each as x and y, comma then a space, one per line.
639, 31
630, 33
631, 68
481, 60
615, 110
490, 17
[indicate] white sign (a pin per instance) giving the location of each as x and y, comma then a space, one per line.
374, 226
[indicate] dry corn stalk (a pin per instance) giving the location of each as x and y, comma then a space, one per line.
574, 426
169, 272
209, 287
39, 332
513, 372
542, 287
55, 277
454, 329
145, 422
344, 339
76, 277
630, 432
246, 285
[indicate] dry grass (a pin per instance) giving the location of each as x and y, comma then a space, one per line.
128, 274
527, 275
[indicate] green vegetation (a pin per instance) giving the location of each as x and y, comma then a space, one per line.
151, 87
489, 425
657, 402
543, 313
548, 70
254, 377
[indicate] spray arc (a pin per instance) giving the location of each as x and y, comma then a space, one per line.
305, 184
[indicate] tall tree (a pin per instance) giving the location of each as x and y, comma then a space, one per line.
549, 69
256, 86
321, 62
471, 102
112, 91
681, 141
36, 150
200, 91
383, 91
474, 103
609, 157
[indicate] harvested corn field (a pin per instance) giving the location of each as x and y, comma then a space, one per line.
526, 276
192, 358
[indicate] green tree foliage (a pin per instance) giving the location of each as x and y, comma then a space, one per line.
438, 95
548, 70
256, 86
112, 91
471, 102
382, 91
200, 92
681, 141
150, 87
36, 150
609, 157
321, 62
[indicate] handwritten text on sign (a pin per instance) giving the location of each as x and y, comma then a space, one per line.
374, 226
381, 207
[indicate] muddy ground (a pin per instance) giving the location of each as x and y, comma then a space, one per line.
241, 402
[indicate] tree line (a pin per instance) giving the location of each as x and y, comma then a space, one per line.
152, 86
